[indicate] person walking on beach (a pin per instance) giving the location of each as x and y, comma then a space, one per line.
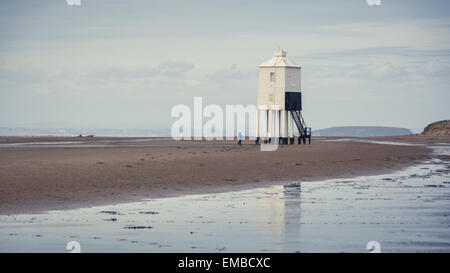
240, 139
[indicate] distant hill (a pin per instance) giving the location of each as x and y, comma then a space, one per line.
439, 128
362, 131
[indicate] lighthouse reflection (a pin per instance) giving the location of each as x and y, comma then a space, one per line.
279, 218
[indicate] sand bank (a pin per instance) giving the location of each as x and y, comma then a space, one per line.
40, 177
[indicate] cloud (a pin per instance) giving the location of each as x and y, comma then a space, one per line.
436, 68
174, 69
232, 74
378, 51
167, 69
25, 76
387, 70
108, 62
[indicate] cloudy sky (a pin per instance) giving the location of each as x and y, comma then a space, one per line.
125, 64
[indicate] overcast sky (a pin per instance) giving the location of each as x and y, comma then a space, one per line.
125, 64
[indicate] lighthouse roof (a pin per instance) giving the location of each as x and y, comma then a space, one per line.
279, 59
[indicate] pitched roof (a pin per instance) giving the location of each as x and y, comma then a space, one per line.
279, 59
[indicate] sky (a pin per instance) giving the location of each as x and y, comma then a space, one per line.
125, 64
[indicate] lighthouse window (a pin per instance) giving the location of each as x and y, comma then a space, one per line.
272, 76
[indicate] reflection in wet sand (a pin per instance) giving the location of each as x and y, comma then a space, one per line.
406, 211
279, 216
292, 216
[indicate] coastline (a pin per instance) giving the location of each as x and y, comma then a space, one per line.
36, 179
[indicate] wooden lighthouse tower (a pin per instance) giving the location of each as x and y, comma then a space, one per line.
280, 101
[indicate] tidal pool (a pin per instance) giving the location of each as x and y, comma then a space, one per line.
405, 211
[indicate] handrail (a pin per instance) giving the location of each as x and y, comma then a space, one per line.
301, 124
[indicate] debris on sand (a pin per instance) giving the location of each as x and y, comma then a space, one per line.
137, 227
229, 179
293, 185
221, 248
148, 212
112, 212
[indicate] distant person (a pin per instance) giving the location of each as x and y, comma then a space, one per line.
240, 139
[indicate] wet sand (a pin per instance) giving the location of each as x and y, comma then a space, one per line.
83, 172
404, 211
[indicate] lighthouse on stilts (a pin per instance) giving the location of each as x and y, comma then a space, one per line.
280, 101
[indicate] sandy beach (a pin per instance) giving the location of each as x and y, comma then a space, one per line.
82, 172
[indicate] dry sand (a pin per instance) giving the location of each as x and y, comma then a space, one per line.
48, 177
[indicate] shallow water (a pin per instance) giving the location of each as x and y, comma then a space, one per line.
72, 144
407, 211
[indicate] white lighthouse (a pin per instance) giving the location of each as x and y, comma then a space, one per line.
280, 100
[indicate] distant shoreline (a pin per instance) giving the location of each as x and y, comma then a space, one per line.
36, 179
